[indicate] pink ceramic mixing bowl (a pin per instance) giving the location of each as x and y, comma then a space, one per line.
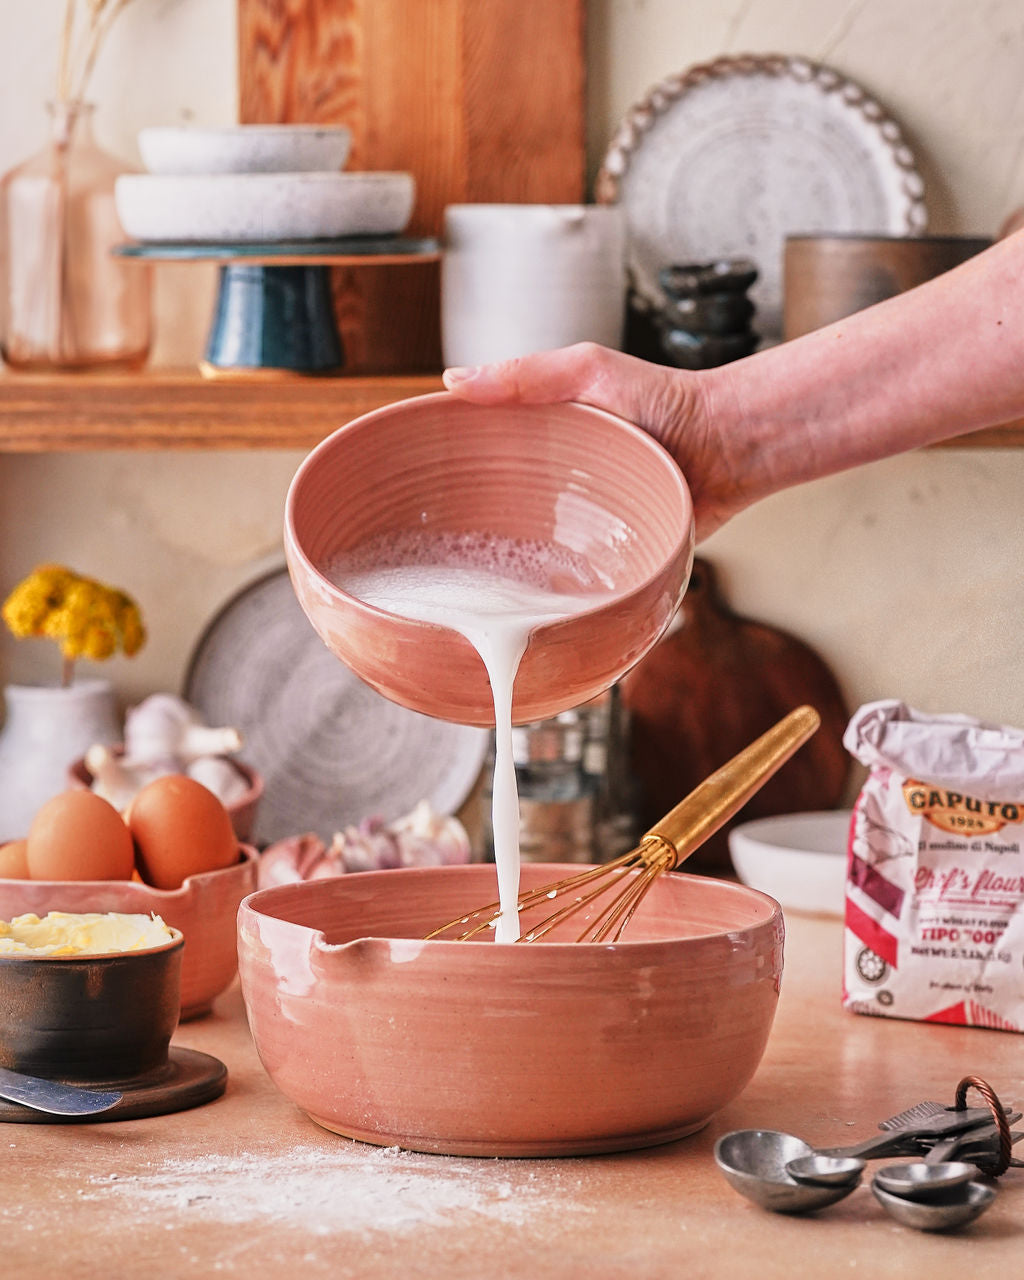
477, 1048
203, 909
565, 474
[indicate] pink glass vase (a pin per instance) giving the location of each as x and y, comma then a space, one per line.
66, 301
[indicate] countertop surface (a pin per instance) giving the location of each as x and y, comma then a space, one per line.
247, 1185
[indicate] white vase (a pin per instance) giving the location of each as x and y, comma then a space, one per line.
517, 278
44, 731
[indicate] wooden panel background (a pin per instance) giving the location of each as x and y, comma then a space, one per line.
482, 100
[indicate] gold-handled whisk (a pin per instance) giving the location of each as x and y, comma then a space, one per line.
668, 844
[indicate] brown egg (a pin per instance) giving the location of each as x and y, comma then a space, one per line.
14, 860
78, 835
180, 828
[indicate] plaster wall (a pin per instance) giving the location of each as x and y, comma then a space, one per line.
905, 575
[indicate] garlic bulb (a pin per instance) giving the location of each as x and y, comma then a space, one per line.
163, 726
220, 776
164, 734
290, 860
421, 838
429, 839
117, 780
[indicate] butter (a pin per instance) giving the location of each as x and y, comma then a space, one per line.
65, 933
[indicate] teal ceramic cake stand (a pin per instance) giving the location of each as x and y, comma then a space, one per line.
274, 308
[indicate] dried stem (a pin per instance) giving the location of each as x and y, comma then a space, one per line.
74, 72
64, 55
101, 19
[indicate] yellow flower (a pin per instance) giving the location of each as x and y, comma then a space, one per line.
85, 618
128, 623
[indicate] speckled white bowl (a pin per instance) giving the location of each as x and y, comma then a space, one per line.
244, 148
262, 207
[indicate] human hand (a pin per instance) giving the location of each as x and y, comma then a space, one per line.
670, 404
889, 378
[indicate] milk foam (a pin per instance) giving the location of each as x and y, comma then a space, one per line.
495, 592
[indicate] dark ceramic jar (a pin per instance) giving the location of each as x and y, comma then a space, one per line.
89, 1018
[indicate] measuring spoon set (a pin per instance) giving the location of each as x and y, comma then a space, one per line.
939, 1188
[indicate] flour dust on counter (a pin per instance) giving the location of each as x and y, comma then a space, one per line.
351, 1188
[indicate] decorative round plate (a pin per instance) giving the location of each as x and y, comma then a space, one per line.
730, 157
331, 750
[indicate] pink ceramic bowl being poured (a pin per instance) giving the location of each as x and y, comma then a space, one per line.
566, 475
555, 1049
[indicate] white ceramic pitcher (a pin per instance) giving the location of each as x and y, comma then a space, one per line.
517, 278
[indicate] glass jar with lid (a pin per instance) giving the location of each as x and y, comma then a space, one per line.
574, 785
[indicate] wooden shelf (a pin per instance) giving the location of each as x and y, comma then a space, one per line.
179, 409
1008, 436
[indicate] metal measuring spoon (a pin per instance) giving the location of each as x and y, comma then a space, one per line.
754, 1161
836, 1165
944, 1211
53, 1097
826, 1170
921, 1179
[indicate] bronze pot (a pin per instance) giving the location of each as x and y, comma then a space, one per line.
828, 277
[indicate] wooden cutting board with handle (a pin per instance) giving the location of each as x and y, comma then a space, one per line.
711, 687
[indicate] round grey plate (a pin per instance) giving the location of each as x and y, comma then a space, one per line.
332, 751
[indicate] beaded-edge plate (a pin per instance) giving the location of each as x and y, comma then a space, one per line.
729, 157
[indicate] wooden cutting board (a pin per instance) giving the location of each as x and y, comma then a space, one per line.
481, 100
711, 687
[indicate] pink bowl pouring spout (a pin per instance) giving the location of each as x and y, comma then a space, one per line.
478, 1048
566, 474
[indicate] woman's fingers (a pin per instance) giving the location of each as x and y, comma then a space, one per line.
587, 372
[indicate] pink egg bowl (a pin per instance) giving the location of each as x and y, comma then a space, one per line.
568, 475
203, 909
487, 1049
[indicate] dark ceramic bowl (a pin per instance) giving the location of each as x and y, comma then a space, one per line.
89, 1018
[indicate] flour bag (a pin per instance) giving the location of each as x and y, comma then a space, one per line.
935, 878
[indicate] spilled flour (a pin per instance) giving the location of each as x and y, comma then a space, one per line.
365, 1190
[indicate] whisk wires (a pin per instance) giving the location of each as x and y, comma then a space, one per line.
663, 848
630, 875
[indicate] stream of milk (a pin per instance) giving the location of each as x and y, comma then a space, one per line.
495, 592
